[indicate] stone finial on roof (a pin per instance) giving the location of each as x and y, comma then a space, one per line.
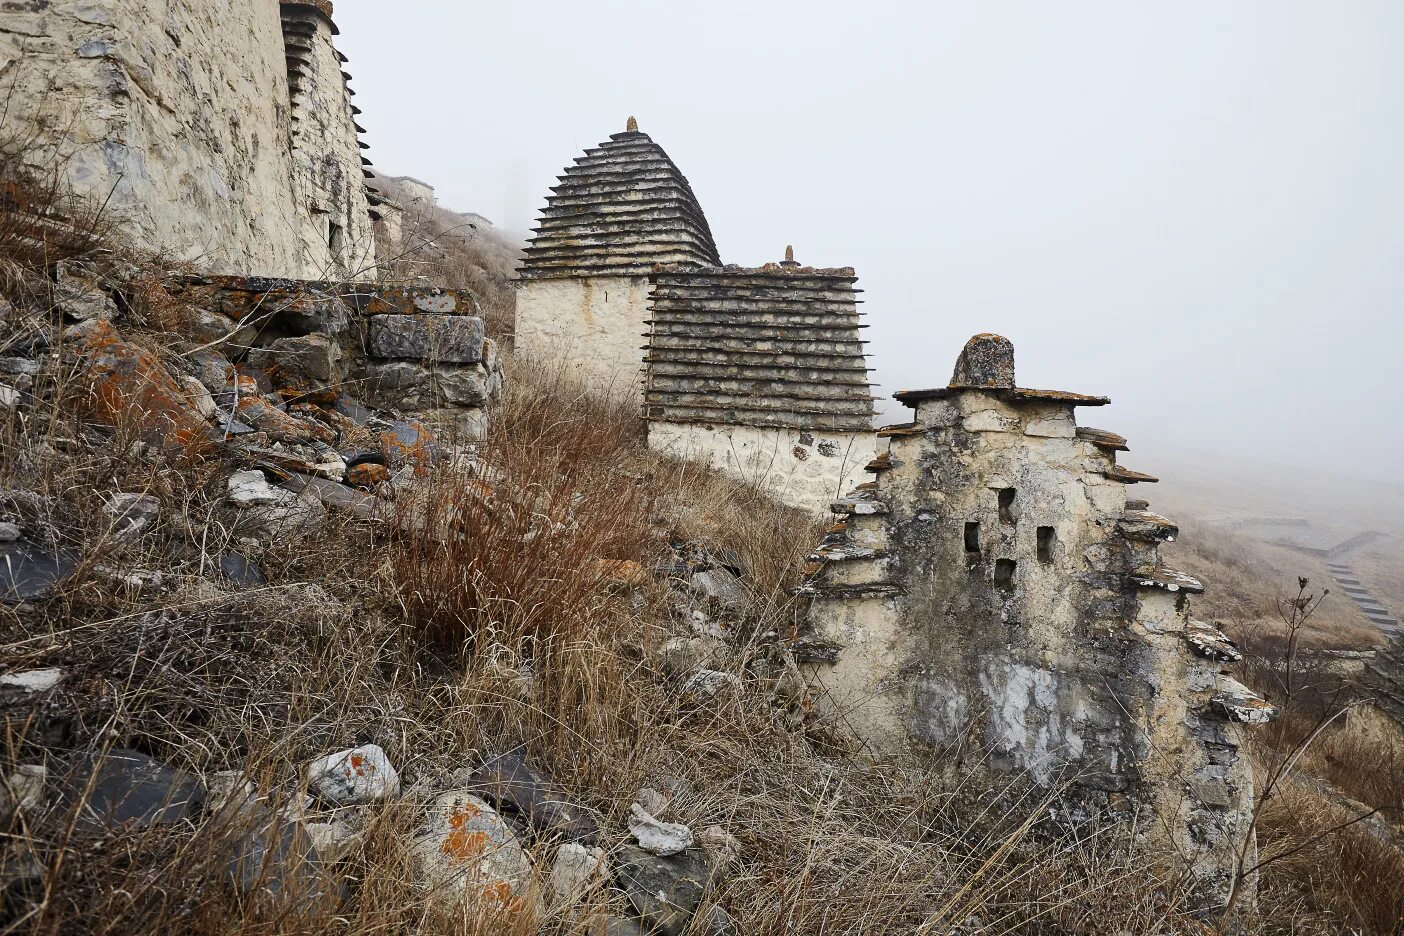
789, 260
985, 361
632, 126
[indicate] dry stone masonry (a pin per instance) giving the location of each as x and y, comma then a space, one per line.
760, 372
620, 211
756, 371
218, 131
995, 590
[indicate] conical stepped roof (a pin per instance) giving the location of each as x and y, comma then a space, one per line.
621, 209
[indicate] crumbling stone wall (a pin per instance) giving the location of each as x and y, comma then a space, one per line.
178, 116
995, 591
422, 352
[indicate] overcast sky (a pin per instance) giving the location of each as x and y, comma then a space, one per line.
1196, 208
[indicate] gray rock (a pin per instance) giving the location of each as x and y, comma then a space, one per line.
432, 338
276, 859
308, 360
721, 586
22, 792
132, 514
9, 532
508, 781
127, 788
29, 572
664, 891
82, 297
241, 570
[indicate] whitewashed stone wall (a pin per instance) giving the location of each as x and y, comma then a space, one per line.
597, 324
804, 469
995, 595
336, 232
176, 113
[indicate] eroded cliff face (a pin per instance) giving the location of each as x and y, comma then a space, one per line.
995, 592
178, 116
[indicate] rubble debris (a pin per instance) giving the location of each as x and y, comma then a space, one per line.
508, 781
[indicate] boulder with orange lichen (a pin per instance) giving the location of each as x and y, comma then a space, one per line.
466, 853
127, 386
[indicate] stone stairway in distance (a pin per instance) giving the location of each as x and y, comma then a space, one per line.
1368, 603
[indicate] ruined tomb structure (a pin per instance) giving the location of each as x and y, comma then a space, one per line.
760, 372
217, 132
994, 591
620, 211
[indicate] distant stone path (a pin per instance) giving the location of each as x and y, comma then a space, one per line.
1368, 603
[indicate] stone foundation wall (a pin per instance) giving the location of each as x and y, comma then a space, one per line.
805, 469
597, 324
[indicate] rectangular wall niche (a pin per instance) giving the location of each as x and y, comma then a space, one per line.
1004, 574
972, 537
1046, 540
1006, 505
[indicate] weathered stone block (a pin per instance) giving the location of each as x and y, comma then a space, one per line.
434, 338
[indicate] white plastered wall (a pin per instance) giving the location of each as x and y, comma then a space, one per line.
595, 324
806, 469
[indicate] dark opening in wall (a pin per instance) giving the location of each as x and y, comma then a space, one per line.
336, 238
1045, 544
1004, 574
1006, 505
972, 537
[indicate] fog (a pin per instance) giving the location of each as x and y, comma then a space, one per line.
1196, 208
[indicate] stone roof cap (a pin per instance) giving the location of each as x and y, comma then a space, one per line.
623, 209
986, 363
323, 7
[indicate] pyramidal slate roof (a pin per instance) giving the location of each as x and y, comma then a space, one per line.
775, 345
620, 210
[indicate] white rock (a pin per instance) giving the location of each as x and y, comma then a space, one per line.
40, 680
251, 489
200, 397
707, 683
659, 838
356, 775
23, 791
577, 871
9, 532
230, 791
332, 840
464, 849
9, 396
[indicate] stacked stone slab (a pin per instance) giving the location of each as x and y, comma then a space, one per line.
622, 211
761, 372
421, 351
994, 590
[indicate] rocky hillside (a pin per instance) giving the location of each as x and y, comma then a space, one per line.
292, 647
